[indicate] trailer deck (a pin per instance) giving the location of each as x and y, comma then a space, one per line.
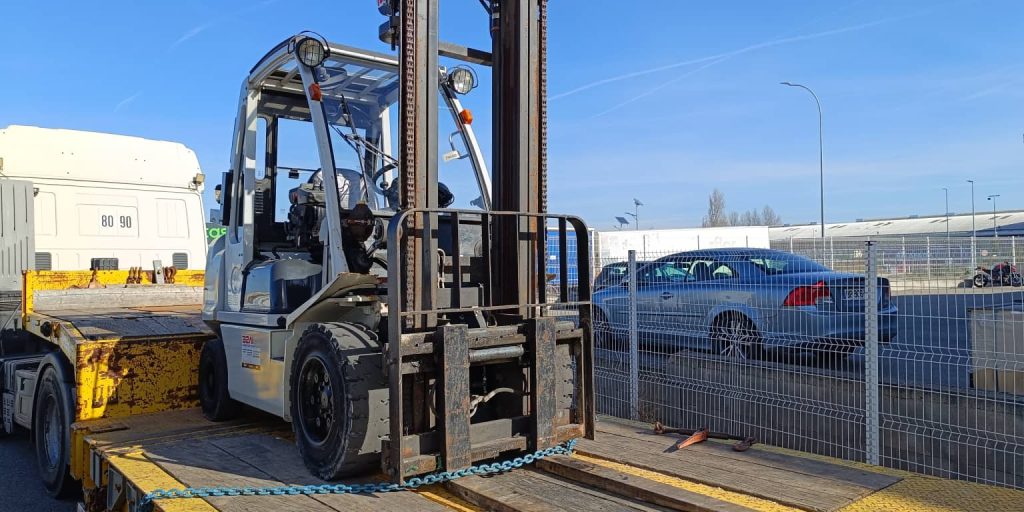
625, 468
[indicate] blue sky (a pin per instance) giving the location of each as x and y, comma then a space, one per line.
663, 101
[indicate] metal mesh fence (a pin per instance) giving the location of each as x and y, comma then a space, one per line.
878, 352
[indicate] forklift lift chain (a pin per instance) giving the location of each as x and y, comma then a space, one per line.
146, 504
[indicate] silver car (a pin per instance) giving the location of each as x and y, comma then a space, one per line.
742, 303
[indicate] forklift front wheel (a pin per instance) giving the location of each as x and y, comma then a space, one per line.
50, 432
213, 383
337, 426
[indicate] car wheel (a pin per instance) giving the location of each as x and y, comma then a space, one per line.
50, 432
735, 336
214, 399
980, 281
1016, 280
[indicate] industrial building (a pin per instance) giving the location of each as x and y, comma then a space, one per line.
986, 224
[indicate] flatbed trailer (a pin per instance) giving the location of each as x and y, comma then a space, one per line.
625, 468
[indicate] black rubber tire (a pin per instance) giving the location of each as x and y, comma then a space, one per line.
214, 398
51, 435
349, 356
728, 324
980, 281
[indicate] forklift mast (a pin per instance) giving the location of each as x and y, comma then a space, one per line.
517, 339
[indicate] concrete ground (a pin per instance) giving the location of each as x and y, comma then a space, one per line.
20, 489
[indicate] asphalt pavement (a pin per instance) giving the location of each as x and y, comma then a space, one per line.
20, 489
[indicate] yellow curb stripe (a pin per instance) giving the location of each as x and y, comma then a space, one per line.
706, 490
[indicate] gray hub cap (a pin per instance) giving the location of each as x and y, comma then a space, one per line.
736, 339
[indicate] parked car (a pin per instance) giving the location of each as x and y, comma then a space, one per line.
743, 303
612, 274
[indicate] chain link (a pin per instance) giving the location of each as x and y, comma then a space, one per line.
146, 504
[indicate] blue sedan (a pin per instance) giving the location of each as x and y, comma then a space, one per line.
742, 303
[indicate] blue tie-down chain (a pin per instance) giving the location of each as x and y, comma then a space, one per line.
146, 504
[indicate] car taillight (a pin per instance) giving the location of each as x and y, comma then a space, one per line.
807, 295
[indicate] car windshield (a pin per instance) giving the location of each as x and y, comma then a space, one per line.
782, 263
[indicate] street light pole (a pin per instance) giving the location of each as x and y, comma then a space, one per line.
636, 216
821, 153
995, 227
974, 229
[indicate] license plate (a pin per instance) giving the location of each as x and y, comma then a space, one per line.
855, 294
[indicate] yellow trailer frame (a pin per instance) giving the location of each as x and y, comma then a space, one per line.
126, 361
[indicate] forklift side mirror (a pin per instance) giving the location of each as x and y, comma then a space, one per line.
454, 154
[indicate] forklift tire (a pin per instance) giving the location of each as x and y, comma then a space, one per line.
339, 405
216, 403
51, 436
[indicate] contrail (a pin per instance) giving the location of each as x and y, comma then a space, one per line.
189, 35
733, 53
121, 104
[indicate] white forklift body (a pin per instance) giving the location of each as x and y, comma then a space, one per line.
260, 322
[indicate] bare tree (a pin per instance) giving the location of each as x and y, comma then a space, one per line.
716, 216
750, 218
769, 217
734, 219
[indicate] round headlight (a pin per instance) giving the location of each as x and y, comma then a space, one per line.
462, 80
310, 52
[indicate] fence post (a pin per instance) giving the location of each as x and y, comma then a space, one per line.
1013, 249
871, 398
903, 254
928, 257
832, 252
634, 343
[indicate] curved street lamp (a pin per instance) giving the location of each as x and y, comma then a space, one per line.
821, 155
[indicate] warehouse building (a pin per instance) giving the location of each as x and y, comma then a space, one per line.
987, 224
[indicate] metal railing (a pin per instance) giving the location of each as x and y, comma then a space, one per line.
890, 363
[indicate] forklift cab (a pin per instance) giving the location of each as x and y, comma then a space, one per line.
278, 251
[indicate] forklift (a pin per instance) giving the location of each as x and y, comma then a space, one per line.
392, 331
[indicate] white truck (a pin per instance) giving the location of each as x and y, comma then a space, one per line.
102, 246
100, 201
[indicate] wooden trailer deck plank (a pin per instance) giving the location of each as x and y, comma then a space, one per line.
279, 459
790, 482
113, 433
528, 490
811, 467
630, 486
248, 451
199, 463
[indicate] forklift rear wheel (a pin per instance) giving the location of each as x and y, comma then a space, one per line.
213, 383
338, 425
50, 429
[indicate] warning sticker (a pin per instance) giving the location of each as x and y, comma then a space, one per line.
250, 353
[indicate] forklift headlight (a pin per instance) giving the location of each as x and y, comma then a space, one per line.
310, 51
462, 80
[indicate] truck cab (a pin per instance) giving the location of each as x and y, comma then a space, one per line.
108, 201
